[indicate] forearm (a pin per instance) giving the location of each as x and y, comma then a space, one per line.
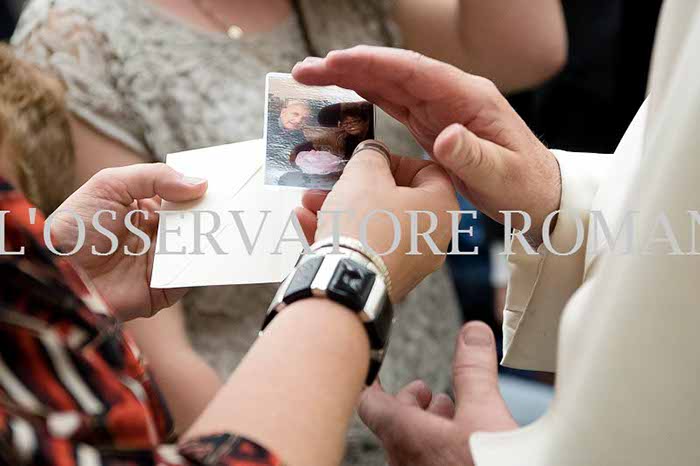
296, 389
173, 362
518, 44
95, 151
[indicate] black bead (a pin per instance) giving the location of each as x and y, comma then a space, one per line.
300, 286
351, 284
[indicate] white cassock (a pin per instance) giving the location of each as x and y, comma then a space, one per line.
621, 331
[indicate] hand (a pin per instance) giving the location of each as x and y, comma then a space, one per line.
122, 279
462, 120
368, 183
419, 429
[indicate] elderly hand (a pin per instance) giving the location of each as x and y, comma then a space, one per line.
418, 428
123, 279
369, 184
461, 120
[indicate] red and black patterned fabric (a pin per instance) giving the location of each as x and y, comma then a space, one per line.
73, 388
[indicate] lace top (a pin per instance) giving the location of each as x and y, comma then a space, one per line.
159, 86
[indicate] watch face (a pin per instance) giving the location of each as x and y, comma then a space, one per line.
351, 284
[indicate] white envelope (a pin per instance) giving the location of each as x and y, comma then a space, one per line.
236, 183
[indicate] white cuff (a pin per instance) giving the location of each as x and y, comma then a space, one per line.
541, 284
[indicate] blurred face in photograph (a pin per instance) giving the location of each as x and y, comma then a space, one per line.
294, 115
354, 125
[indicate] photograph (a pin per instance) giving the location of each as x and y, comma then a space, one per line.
311, 132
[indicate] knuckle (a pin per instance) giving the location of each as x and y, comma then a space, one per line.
104, 175
487, 86
417, 59
106, 185
472, 159
105, 182
480, 82
380, 425
161, 169
367, 159
414, 56
361, 48
482, 381
493, 100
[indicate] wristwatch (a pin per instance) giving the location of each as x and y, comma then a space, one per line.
348, 277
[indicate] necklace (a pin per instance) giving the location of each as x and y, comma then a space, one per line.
233, 31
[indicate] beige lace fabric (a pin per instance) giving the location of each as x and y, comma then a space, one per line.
158, 86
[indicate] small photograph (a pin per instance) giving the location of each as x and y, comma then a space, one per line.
311, 132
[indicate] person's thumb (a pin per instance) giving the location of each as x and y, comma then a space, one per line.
143, 181
369, 165
474, 161
475, 377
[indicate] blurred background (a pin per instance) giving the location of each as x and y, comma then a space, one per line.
9, 13
585, 107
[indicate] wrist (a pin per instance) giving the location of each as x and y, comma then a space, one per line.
309, 366
351, 280
356, 250
547, 201
331, 327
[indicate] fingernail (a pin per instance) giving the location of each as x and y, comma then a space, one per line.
193, 180
477, 334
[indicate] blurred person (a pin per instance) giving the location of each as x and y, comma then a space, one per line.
7, 22
610, 46
294, 114
603, 314
34, 126
354, 125
75, 390
354, 120
148, 78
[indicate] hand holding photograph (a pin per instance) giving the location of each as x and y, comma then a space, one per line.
311, 132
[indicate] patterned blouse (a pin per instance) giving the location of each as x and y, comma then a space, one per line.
73, 389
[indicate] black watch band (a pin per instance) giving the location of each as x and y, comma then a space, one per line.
349, 279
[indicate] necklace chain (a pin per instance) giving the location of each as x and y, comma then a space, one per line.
233, 31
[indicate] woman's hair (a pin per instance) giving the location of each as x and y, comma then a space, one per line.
34, 126
361, 110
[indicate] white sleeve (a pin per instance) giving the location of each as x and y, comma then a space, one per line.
540, 285
627, 385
